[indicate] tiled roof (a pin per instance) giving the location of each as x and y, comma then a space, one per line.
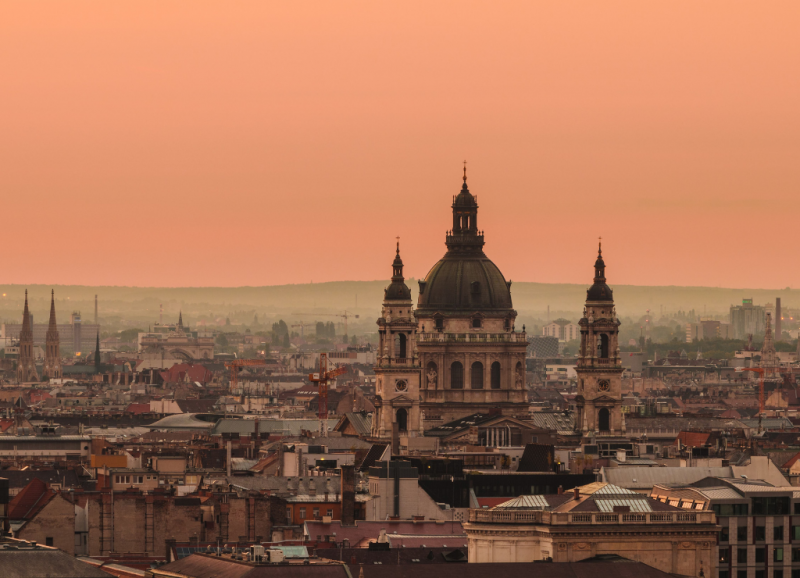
29, 501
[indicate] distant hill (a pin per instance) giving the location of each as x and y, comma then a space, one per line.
126, 305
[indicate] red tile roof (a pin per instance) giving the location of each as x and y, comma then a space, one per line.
30, 500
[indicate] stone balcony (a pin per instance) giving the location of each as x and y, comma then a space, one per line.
602, 362
514, 337
401, 362
588, 518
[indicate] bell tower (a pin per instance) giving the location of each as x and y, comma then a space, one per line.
599, 368
397, 370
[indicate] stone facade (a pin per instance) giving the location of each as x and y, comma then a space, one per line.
599, 368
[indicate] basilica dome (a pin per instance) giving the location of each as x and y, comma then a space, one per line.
465, 279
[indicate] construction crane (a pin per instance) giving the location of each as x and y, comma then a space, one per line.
237, 364
346, 315
302, 325
322, 379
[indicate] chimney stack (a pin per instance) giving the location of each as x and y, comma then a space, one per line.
576, 493
560, 489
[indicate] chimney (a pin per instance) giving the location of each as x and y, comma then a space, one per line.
560, 489
348, 482
577, 493
228, 461
312, 487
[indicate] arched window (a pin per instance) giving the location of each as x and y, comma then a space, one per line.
476, 322
496, 375
456, 375
402, 419
476, 378
602, 346
400, 345
603, 418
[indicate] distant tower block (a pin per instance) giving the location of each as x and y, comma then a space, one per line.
778, 316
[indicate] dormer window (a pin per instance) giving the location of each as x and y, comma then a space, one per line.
476, 322
438, 323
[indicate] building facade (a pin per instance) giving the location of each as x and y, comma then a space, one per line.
594, 520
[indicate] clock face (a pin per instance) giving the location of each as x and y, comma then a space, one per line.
400, 385
603, 385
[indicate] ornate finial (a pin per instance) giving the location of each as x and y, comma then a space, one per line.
465, 171
600, 245
398, 245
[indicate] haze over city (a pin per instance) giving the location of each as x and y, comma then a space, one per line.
208, 144
452, 289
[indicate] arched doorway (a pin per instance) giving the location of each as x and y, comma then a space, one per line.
402, 419
476, 378
603, 419
456, 375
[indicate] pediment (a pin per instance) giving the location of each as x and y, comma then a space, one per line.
401, 400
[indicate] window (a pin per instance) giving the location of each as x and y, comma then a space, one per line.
456, 375
741, 555
761, 555
723, 574
476, 322
741, 574
288, 513
741, 534
724, 554
330, 512
777, 554
48, 541
730, 509
496, 375
777, 533
795, 532
795, 554
760, 574
777, 574
760, 533
439, 323
302, 513
795, 573
770, 506
476, 377
316, 512
724, 535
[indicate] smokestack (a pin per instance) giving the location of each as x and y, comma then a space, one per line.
777, 319
348, 495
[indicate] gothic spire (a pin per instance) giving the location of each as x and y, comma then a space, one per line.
180, 320
26, 317
52, 324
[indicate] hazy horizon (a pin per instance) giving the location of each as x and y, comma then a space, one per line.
262, 143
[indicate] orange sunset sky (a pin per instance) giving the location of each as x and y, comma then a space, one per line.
261, 143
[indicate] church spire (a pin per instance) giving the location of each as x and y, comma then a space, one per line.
180, 320
97, 352
26, 367
52, 354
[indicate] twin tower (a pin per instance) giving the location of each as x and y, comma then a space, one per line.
459, 353
26, 363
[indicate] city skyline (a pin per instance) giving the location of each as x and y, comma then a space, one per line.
295, 143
